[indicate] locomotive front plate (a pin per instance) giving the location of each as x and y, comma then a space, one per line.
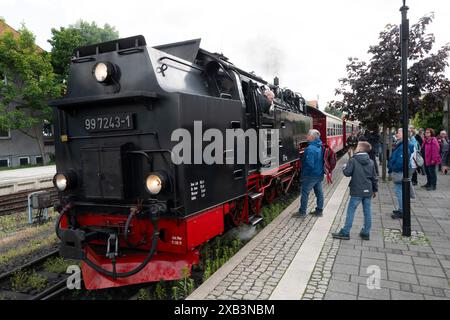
110, 122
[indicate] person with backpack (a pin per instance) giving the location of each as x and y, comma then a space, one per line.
363, 187
313, 170
395, 167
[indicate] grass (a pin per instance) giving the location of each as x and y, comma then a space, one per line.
22, 280
32, 246
56, 265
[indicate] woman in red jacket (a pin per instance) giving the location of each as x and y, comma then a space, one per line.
432, 156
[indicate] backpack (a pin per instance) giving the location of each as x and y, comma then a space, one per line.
330, 161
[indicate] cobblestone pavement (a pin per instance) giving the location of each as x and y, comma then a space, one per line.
257, 275
416, 268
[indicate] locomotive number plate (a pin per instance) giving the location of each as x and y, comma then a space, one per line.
111, 122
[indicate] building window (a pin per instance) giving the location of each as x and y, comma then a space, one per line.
4, 163
24, 161
39, 160
5, 134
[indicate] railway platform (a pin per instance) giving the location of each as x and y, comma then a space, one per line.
12, 181
297, 259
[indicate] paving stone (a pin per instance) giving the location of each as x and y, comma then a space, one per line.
399, 258
430, 271
422, 290
434, 282
402, 295
376, 294
402, 277
330, 295
401, 267
343, 287
426, 262
345, 269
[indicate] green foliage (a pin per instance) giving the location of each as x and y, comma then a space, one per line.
30, 82
143, 294
56, 265
22, 280
65, 40
371, 90
160, 291
429, 120
333, 111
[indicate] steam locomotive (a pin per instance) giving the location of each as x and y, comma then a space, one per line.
127, 210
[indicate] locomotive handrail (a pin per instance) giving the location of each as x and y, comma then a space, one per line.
181, 62
112, 135
103, 98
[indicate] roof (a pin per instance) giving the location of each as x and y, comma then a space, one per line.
4, 27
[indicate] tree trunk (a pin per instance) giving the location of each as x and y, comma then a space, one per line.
40, 141
384, 162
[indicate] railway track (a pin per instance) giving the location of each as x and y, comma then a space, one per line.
14, 284
18, 202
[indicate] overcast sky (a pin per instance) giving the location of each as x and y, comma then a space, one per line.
304, 42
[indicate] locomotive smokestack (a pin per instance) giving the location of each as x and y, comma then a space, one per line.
276, 81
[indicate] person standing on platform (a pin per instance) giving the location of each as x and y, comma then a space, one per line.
352, 143
432, 158
395, 167
444, 143
415, 167
363, 187
313, 171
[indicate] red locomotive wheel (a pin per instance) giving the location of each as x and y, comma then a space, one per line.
270, 194
237, 212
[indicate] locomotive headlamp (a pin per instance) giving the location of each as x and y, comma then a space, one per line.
156, 182
60, 182
64, 181
103, 72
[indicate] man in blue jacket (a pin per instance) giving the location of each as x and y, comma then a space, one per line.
312, 173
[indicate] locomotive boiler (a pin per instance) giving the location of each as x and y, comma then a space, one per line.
127, 210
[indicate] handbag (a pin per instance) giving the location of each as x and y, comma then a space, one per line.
418, 159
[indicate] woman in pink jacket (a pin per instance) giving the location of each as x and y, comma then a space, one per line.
432, 156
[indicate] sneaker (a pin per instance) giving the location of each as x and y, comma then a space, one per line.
396, 212
425, 186
317, 213
299, 215
341, 236
431, 188
396, 216
364, 236
414, 183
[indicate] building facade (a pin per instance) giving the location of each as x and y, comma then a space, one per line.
18, 147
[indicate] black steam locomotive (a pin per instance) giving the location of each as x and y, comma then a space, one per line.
128, 211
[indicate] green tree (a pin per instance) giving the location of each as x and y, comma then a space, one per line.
371, 92
29, 82
333, 111
65, 40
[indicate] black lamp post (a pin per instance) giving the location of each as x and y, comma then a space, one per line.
406, 188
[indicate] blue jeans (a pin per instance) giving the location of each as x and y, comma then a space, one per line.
398, 188
367, 208
431, 175
309, 183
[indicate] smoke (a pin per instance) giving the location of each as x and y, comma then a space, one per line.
243, 232
266, 57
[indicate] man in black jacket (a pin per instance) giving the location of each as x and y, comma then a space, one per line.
352, 143
363, 187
